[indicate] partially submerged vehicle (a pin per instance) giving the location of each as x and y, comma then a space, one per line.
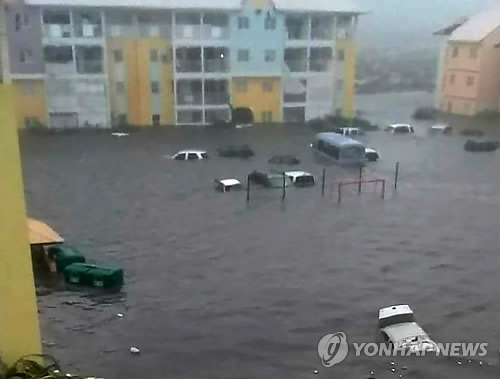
481, 146
300, 178
343, 150
440, 129
226, 185
400, 330
400, 129
190, 155
349, 131
243, 151
371, 154
269, 180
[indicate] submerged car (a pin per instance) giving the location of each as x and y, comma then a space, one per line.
349, 131
190, 155
400, 330
300, 178
226, 185
440, 129
400, 129
371, 154
269, 180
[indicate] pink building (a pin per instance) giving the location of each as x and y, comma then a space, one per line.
469, 66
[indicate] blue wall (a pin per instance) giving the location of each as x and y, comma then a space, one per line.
257, 40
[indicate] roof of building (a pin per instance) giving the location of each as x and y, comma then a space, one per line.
342, 6
477, 27
151, 4
447, 30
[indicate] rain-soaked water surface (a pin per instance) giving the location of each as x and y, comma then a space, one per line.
216, 288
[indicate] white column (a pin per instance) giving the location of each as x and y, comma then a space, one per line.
440, 73
105, 62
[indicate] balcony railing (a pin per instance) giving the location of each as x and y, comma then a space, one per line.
57, 31
185, 65
187, 31
216, 98
211, 32
60, 68
294, 98
320, 65
89, 66
189, 99
321, 33
88, 31
216, 65
296, 65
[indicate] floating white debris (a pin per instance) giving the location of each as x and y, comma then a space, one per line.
315, 372
134, 350
119, 314
119, 134
480, 363
400, 375
393, 369
56, 371
69, 375
459, 362
392, 363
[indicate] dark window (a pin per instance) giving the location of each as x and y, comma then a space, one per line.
58, 54
243, 23
454, 53
56, 17
270, 55
470, 81
396, 319
192, 156
156, 119
155, 87
153, 55
473, 52
180, 157
165, 57
18, 21
340, 55
270, 23
25, 55
118, 56
26, 20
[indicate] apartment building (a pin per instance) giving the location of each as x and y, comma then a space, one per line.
469, 67
99, 63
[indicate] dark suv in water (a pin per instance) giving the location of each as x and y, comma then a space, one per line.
268, 180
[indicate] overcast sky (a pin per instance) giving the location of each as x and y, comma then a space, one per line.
410, 23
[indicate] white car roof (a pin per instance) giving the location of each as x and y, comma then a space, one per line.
370, 150
394, 310
192, 151
229, 182
399, 125
297, 173
439, 126
399, 333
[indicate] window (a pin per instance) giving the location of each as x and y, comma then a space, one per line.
243, 55
18, 22
243, 23
25, 55
153, 55
58, 54
270, 55
267, 116
473, 52
118, 56
267, 86
340, 55
26, 20
156, 119
180, 157
120, 87
241, 85
454, 52
452, 78
470, 81
165, 57
270, 23
155, 87
192, 156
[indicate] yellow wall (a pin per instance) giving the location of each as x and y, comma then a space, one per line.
258, 100
136, 55
260, 4
31, 101
350, 57
19, 328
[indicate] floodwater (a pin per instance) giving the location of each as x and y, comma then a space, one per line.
216, 288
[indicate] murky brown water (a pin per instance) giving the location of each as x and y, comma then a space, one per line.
216, 288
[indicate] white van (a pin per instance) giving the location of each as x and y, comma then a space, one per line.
400, 129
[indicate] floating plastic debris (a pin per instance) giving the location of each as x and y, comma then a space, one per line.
404, 368
56, 371
470, 360
459, 362
315, 372
393, 369
134, 350
119, 314
69, 375
119, 134
400, 375
392, 363
480, 363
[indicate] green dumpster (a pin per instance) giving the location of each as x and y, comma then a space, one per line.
64, 256
93, 276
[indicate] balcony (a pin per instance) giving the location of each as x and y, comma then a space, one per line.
89, 59
216, 92
87, 24
321, 28
186, 65
56, 23
216, 59
59, 60
189, 92
215, 27
214, 115
56, 31
216, 65
89, 67
188, 26
188, 59
296, 65
297, 28
320, 59
190, 117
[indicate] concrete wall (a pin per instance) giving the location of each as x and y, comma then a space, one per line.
257, 40
257, 99
24, 31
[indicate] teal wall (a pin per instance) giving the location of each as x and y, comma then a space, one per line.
257, 40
